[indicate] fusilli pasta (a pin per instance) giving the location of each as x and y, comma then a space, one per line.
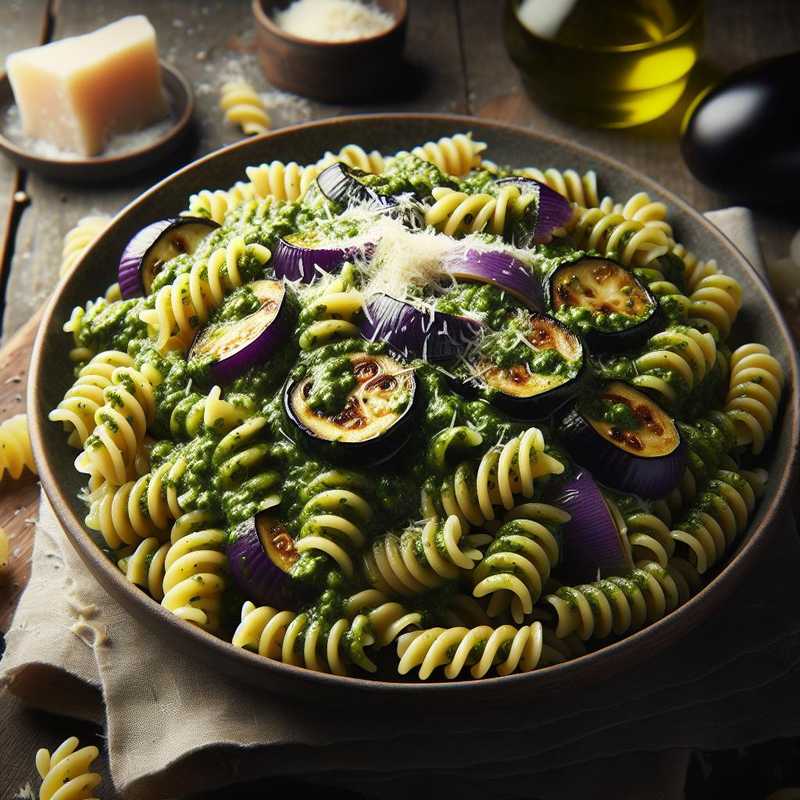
65, 772
244, 107
15, 447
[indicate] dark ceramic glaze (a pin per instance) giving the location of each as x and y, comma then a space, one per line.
51, 374
100, 169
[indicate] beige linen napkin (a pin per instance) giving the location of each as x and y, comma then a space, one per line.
175, 726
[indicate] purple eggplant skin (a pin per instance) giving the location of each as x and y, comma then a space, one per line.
260, 554
742, 138
135, 273
407, 330
258, 350
304, 264
651, 478
553, 211
371, 452
592, 540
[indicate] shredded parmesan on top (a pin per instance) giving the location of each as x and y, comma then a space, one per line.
333, 20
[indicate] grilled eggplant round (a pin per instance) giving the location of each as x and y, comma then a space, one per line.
550, 374
373, 421
627, 440
605, 301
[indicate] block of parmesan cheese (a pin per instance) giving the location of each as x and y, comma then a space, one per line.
76, 93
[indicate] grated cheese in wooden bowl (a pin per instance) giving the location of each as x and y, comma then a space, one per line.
333, 20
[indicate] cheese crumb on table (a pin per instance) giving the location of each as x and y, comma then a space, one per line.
76, 93
333, 20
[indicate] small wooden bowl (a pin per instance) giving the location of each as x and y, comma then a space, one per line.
102, 168
335, 72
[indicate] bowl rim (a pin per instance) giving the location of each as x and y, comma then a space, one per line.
263, 19
19, 154
650, 638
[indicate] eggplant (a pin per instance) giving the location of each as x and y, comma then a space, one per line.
605, 301
232, 348
261, 554
154, 245
373, 422
297, 260
594, 541
525, 393
410, 331
549, 211
742, 137
627, 438
340, 184
499, 269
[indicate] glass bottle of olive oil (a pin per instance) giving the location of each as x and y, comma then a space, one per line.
607, 63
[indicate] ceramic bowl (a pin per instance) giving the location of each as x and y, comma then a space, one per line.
51, 374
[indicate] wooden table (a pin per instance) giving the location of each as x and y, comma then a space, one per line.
460, 65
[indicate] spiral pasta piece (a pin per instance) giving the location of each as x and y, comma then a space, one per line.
626, 240
619, 604
82, 400
453, 155
473, 491
144, 567
455, 213
387, 618
517, 563
716, 301
332, 522
216, 204
244, 107
756, 383
421, 559
694, 269
302, 641
331, 316
78, 240
184, 305
282, 181
505, 649
15, 447
65, 772
121, 423
74, 325
354, 156
196, 413
241, 458
675, 360
641, 208
718, 516
649, 537
138, 509
194, 572
578, 189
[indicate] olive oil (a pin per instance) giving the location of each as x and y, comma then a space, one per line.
607, 63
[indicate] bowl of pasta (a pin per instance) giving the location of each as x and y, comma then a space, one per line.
411, 416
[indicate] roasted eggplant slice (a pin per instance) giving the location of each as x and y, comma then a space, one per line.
549, 211
594, 537
232, 348
628, 440
605, 301
546, 372
154, 245
358, 406
260, 555
424, 333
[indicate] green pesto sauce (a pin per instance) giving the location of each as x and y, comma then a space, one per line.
620, 415
407, 173
333, 382
491, 304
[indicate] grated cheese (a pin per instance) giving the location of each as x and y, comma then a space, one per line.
333, 20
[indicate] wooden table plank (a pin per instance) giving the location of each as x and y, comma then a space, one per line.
209, 43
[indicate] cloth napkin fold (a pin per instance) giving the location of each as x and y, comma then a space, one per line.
175, 726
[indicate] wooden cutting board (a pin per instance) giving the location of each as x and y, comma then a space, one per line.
19, 500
